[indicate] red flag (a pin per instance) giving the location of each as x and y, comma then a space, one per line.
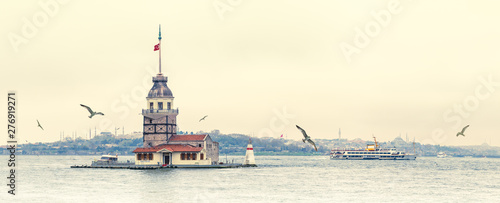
281, 135
157, 47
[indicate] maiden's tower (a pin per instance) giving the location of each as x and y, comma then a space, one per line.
161, 144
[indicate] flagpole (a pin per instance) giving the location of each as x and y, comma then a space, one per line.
159, 43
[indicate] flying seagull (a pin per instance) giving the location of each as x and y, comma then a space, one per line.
307, 138
39, 124
92, 113
462, 132
203, 118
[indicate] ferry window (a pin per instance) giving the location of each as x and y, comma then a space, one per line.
199, 145
151, 105
201, 156
169, 105
138, 156
194, 156
150, 156
160, 105
182, 156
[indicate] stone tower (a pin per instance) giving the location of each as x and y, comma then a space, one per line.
160, 116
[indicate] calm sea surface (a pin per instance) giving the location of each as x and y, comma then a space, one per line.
277, 179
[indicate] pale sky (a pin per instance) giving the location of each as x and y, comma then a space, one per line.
424, 68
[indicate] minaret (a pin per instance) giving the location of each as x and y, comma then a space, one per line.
249, 157
160, 116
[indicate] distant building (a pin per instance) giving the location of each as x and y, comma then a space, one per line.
161, 144
398, 142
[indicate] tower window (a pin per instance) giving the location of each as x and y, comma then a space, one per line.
151, 105
169, 105
160, 105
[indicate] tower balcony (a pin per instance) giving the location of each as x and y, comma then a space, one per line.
165, 111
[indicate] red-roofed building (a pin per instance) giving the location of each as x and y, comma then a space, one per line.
180, 150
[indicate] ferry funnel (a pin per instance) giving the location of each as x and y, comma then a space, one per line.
249, 157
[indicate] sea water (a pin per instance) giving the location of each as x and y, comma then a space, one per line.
277, 179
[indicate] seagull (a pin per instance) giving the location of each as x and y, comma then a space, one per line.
39, 124
462, 132
203, 118
92, 113
307, 138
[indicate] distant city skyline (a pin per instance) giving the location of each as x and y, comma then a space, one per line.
381, 68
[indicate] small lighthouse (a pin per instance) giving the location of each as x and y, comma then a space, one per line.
249, 157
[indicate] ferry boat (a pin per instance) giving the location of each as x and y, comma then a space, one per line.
441, 155
110, 160
372, 152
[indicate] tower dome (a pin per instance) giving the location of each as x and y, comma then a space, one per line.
160, 88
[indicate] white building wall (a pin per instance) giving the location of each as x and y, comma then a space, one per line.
176, 159
157, 158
